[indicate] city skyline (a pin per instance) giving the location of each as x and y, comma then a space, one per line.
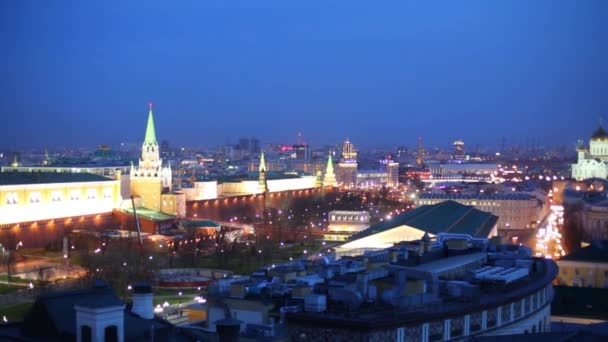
380, 75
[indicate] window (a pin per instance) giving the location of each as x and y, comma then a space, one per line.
74, 195
85, 333
11, 198
107, 193
111, 333
35, 197
91, 194
56, 196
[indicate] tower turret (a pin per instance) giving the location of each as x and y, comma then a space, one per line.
330, 178
262, 184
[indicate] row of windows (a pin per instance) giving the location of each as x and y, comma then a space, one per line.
57, 196
476, 322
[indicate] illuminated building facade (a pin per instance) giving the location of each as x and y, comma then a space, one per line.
392, 172
149, 178
592, 162
586, 267
343, 224
347, 168
515, 210
109, 171
38, 196
459, 153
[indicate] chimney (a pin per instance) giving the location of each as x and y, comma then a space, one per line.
142, 300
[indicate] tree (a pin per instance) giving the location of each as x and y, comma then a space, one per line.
11, 244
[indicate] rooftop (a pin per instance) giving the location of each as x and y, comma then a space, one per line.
151, 214
597, 251
18, 178
444, 217
599, 133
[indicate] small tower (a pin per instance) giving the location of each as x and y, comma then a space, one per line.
262, 185
15, 162
330, 178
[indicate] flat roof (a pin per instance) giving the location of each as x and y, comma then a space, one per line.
449, 263
151, 214
19, 178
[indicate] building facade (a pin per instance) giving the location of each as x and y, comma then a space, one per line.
343, 224
592, 162
515, 211
37, 196
586, 267
346, 174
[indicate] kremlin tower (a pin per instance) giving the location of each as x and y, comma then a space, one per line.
149, 178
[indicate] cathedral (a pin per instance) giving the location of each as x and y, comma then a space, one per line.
150, 181
592, 162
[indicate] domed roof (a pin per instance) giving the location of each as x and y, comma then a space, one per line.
599, 134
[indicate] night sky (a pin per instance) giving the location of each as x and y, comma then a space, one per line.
76, 73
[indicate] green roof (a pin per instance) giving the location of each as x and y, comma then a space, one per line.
18, 178
330, 165
597, 251
150, 131
444, 217
150, 214
197, 224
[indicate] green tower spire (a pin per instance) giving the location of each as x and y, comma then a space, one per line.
330, 165
150, 131
262, 162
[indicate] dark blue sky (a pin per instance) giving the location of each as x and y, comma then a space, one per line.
380, 72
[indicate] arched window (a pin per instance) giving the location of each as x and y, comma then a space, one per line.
85, 333
111, 334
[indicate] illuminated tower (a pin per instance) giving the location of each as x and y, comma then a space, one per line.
347, 168
458, 150
348, 151
262, 184
420, 155
330, 178
148, 178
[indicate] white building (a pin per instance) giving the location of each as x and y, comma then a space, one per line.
592, 162
514, 210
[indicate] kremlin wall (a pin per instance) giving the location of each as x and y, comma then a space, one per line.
42, 204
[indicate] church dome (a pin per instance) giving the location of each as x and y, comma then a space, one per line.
599, 134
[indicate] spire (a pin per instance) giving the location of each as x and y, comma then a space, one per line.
330, 178
150, 131
330, 165
262, 162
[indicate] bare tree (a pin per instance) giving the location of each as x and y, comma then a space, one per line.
11, 244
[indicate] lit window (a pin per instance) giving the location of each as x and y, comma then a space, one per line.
107, 193
11, 198
56, 196
91, 194
74, 195
35, 197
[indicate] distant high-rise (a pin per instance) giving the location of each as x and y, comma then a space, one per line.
347, 168
348, 151
248, 145
458, 150
420, 155
392, 171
